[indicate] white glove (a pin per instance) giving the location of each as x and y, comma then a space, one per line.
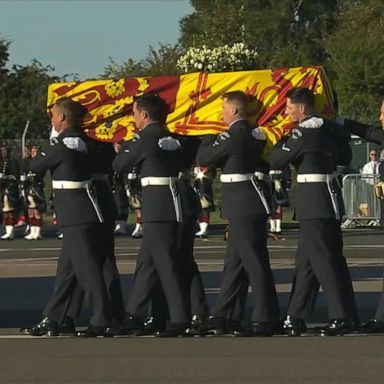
75, 143
169, 144
258, 134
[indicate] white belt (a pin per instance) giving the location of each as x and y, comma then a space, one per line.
275, 172
66, 184
239, 177
152, 180
314, 178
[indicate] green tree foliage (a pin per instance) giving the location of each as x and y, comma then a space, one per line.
283, 32
23, 96
160, 62
4, 46
357, 59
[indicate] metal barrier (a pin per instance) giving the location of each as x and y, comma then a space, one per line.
362, 207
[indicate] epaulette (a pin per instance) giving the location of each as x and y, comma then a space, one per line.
296, 133
224, 136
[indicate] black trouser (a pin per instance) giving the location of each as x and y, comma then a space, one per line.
247, 252
157, 259
319, 255
193, 283
80, 262
313, 286
111, 277
191, 278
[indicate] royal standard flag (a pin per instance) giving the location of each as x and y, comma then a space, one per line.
195, 100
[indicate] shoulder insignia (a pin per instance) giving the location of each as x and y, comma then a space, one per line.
285, 148
136, 137
224, 136
313, 122
296, 134
169, 144
258, 134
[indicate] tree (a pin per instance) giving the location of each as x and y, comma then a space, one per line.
283, 32
23, 96
357, 59
158, 62
4, 54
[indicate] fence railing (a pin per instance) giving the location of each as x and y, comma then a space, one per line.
362, 207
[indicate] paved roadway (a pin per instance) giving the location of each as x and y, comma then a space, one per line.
27, 269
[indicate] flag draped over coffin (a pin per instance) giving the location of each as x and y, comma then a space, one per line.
195, 100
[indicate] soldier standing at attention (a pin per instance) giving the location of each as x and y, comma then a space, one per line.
245, 205
9, 191
79, 217
315, 148
35, 199
157, 157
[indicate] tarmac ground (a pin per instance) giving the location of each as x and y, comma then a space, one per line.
27, 270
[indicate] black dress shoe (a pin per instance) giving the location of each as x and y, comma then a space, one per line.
237, 329
67, 327
217, 326
263, 329
132, 325
372, 326
96, 331
198, 326
151, 326
337, 327
46, 327
174, 330
293, 326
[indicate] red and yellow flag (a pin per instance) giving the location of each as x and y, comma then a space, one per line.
195, 100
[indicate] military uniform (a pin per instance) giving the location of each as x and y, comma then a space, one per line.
315, 148
245, 202
119, 189
135, 192
34, 191
191, 208
280, 179
9, 194
203, 180
157, 158
101, 157
79, 217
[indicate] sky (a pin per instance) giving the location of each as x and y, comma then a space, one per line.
79, 36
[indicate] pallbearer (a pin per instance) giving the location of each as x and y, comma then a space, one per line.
158, 160
246, 204
315, 147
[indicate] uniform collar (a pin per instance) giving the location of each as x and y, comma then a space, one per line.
72, 131
235, 122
